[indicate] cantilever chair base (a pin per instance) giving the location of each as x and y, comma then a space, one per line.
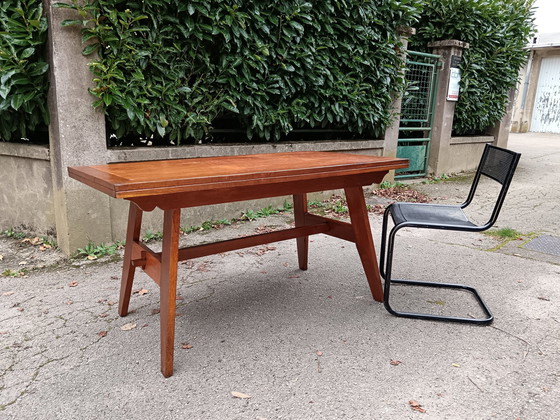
481, 321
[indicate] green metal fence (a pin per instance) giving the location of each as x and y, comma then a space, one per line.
417, 112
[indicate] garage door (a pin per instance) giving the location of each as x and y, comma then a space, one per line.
546, 112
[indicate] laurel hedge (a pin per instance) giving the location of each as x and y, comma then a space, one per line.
23, 71
497, 31
182, 72
171, 70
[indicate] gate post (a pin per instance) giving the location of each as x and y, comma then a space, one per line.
77, 137
445, 109
391, 135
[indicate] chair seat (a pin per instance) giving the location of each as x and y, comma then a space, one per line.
430, 215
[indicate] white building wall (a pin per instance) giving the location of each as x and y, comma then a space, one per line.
546, 108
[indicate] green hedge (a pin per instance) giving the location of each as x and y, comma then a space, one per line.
173, 69
497, 31
23, 70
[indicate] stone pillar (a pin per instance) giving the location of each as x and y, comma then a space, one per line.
77, 136
501, 129
391, 135
445, 109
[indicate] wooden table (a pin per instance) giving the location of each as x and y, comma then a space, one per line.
174, 184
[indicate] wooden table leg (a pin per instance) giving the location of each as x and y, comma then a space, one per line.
300, 208
132, 235
364, 241
168, 288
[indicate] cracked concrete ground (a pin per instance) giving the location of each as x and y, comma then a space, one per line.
302, 345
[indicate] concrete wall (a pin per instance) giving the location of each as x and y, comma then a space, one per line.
26, 196
28, 201
465, 153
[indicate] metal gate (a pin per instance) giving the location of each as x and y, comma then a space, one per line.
417, 111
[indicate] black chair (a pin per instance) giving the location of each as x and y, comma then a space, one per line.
496, 163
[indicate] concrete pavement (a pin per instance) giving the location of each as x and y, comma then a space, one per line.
303, 345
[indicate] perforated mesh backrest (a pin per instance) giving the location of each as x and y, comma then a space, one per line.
497, 164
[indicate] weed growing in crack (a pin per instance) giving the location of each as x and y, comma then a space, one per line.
150, 236
504, 233
11, 233
92, 251
387, 184
14, 273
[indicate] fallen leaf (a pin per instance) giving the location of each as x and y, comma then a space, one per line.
20, 309
544, 298
102, 333
203, 267
416, 406
264, 229
22, 263
1, 257
73, 283
128, 327
155, 311
186, 346
69, 302
455, 365
319, 353
240, 395
11, 292
262, 250
105, 315
91, 257
395, 362
141, 291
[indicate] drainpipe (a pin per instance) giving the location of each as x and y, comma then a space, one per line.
526, 84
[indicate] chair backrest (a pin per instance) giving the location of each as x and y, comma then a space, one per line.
498, 164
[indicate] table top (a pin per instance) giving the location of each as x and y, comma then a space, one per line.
149, 178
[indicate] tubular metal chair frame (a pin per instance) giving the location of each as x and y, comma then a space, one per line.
387, 244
